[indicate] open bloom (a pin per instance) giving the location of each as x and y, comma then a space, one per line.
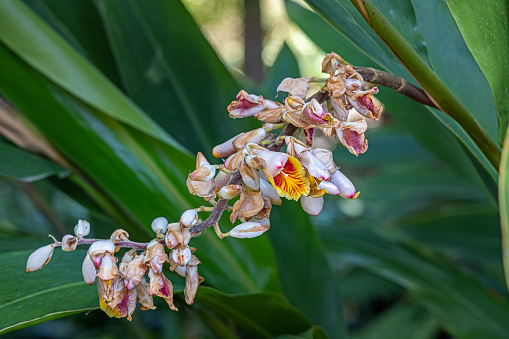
285, 173
248, 105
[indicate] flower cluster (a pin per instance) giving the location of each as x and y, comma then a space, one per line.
121, 287
254, 173
305, 171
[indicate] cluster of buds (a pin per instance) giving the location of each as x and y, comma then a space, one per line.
254, 173
121, 287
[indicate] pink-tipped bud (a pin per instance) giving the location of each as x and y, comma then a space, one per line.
311, 205
39, 258
159, 225
189, 218
69, 243
347, 189
230, 191
248, 230
225, 149
315, 167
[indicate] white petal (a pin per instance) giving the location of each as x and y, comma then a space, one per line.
270, 192
39, 258
159, 225
248, 230
329, 187
311, 205
88, 270
181, 256
275, 161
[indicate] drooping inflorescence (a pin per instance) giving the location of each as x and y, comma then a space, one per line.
254, 171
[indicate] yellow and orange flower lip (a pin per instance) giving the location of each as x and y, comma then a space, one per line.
291, 182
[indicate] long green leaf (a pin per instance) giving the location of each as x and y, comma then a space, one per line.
485, 27
503, 198
171, 71
264, 314
23, 166
43, 49
457, 302
56, 291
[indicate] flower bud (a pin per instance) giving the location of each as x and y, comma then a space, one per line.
159, 225
254, 136
346, 188
229, 191
69, 243
311, 205
88, 270
189, 218
315, 167
181, 256
248, 230
82, 229
225, 149
39, 258
203, 173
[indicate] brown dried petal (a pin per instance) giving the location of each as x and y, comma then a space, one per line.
296, 87
145, 299
248, 205
274, 115
204, 189
330, 63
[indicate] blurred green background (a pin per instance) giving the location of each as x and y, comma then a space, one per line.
105, 103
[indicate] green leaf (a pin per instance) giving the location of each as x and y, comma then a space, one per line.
456, 301
25, 167
80, 24
444, 42
285, 66
306, 278
31, 39
485, 26
503, 198
55, 291
264, 314
400, 321
171, 71
315, 332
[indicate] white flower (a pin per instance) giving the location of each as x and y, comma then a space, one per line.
69, 243
248, 230
189, 218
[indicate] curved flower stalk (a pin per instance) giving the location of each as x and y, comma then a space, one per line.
253, 176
